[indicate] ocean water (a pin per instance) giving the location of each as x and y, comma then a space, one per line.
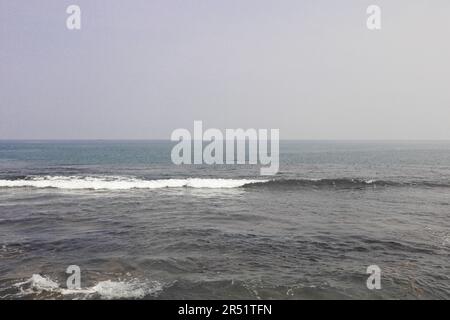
140, 227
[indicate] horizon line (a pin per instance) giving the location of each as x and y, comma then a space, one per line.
168, 140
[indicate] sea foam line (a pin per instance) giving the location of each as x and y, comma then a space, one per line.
123, 183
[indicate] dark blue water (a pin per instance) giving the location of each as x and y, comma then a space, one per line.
140, 227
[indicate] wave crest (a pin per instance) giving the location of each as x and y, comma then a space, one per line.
128, 183
122, 183
337, 182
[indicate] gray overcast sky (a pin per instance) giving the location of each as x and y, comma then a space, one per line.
140, 68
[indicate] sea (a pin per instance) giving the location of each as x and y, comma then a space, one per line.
137, 226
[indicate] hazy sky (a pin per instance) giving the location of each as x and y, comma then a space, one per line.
140, 69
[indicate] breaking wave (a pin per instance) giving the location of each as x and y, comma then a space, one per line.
38, 285
128, 183
122, 183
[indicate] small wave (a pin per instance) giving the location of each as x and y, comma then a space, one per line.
338, 183
352, 183
38, 285
122, 183
8, 251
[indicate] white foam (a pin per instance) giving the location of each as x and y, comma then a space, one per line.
125, 290
122, 183
130, 289
37, 284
